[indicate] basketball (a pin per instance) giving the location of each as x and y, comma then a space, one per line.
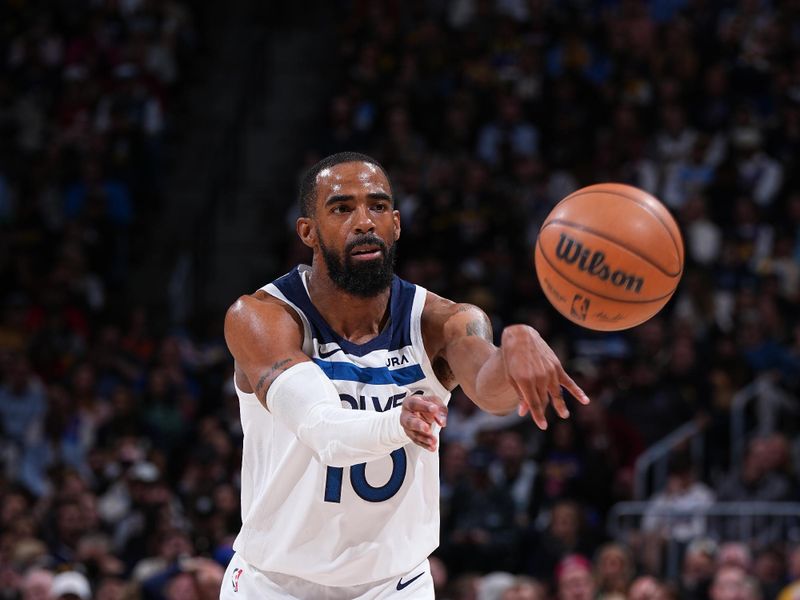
609, 256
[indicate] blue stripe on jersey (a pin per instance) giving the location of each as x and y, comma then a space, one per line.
401, 304
342, 371
395, 336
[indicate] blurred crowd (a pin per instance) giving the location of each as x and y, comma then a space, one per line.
121, 446
118, 456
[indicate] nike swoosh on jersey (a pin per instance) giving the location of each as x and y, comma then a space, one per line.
401, 585
327, 354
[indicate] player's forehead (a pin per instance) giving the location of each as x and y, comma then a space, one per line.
351, 178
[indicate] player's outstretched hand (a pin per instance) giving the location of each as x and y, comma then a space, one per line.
536, 373
418, 416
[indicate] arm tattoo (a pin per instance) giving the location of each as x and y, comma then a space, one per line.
480, 328
269, 375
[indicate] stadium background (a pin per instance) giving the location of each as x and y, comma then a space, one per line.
149, 155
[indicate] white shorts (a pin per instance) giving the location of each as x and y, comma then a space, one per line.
242, 581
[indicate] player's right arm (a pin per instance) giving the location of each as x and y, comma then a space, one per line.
265, 338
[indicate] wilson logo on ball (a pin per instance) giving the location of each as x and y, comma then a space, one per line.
593, 262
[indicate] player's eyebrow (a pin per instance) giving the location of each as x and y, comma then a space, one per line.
345, 197
338, 198
379, 196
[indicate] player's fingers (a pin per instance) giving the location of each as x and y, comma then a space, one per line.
413, 422
433, 409
528, 397
536, 406
523, 406
419, 431
430, 408
573, 388
557, 397
415, 403
428, 442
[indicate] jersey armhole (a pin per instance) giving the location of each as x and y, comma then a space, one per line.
273, 290
417, 341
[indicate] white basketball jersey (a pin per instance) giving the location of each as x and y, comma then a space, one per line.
343, 526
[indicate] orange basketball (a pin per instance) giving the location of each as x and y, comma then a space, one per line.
609, 256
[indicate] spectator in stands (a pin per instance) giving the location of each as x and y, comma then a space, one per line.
22, 410
646, 587
778, 457
674, 515
562, 464
494, 585
112, 588
736, 554
453, 473
69, 585
172, 545
573, 576
793, 563
613, 570
508, 136
768, 569
697, 571
514, 471
730, 583
790, 592
481, 532
754, 480
683, 494
566, 533
440, 575
756, 169
612, 446
525, 588
36, 584
188, 579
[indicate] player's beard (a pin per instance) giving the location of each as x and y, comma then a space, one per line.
362, 278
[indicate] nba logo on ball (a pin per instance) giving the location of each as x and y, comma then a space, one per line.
579, 308
615, 251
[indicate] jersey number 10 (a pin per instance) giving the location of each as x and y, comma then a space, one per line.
358, 479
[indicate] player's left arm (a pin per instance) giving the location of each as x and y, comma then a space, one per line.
523, 372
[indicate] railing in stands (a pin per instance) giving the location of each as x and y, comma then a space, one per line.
771, 401
756, 523
656, 457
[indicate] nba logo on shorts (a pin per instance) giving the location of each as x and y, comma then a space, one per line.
580, 307
235, 578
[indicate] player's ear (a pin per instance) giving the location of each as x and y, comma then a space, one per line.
306, 231
396, 220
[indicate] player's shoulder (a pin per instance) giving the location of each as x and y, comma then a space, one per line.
256, 303
261, 311
439, 310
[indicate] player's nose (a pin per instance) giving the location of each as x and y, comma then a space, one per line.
363, 223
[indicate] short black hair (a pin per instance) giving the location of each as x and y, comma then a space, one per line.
308, 186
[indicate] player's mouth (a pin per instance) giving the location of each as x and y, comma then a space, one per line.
366, 252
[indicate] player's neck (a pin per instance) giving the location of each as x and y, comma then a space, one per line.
354, 318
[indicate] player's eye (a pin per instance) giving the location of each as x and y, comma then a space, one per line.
380, 207
340, 209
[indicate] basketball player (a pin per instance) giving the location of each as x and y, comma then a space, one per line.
343, 373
